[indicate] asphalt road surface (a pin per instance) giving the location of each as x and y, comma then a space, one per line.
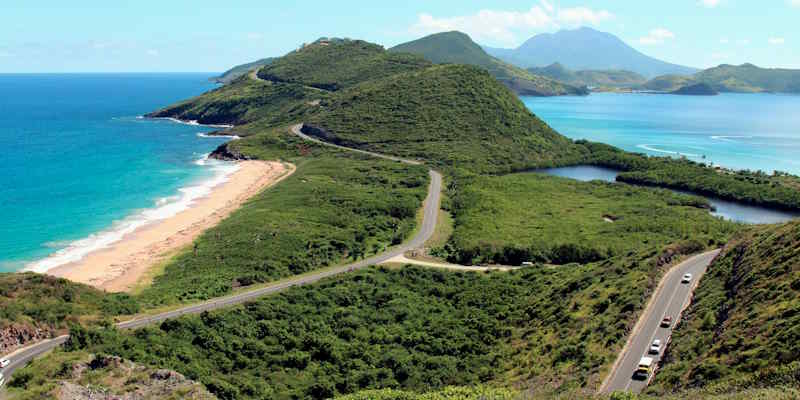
671, 299
431, 209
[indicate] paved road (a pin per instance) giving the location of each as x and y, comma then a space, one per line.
671, 298
431, 209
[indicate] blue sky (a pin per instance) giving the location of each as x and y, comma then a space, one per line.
200, 35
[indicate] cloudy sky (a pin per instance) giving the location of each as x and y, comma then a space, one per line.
200, 35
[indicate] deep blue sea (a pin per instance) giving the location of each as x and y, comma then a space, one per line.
79, 168
741, 131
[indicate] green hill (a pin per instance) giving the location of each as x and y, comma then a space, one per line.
239, 70
745, 78
592, 78
333, 64
745, 321
667, 83
451, 115
696, 89
458, 48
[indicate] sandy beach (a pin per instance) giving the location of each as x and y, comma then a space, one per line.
120, 267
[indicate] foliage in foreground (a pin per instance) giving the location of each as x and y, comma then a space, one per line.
70, 375
745, 319
538, 218
553, 329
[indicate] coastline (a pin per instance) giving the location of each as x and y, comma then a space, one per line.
120, 266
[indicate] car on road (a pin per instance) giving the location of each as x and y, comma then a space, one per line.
4, 362
666, 322
655, 348
686, 278
644, 368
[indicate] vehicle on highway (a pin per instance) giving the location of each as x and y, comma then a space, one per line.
644, 368
4, 362
655, 348
686, 278
666, 322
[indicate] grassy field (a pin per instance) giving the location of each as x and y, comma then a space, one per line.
534, 217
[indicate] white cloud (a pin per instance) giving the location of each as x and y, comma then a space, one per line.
501, 26
656, 36
776, 40
743, 42
724, 41
582, 15
710, 3
794, 3
152, 52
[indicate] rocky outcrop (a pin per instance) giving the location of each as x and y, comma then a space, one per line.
16, 336
126, 380
225, 153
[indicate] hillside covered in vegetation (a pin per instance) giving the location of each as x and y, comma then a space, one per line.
458, 48
240, 70
745, 78
597, 79
743, 328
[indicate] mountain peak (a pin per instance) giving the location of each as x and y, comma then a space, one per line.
586, 48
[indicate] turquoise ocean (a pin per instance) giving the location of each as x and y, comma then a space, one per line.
740, 131
79, 169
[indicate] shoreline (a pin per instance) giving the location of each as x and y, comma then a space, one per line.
119, 266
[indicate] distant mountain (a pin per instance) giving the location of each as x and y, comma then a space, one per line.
592, 78
745, 78
458, 48
239, 70
586, 49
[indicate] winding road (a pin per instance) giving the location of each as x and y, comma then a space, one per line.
671, 298
21, 357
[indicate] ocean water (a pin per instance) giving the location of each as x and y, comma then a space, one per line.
741, 131
79, 169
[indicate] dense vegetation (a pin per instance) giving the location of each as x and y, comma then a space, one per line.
553, 329
451, 115
779, 190
246, 100
241, 70
72, 375
337, 64
745, 78
744, 325
696, 89
458, 48
52, 303
534, 217
598, 79
331, 210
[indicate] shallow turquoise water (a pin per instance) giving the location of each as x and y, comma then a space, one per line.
76, 160
741, 131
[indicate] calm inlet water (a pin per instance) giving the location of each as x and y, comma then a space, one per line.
727, 209
79, 169
741, 131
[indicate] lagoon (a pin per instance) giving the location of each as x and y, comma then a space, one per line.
729, 210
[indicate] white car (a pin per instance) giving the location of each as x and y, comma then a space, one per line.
686, 278
4, 362
655, 348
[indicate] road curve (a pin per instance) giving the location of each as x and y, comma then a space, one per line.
430, 213
671, 298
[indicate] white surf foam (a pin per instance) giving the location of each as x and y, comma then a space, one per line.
164, 208
730, 138
189, 122
651, 147
205, 135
